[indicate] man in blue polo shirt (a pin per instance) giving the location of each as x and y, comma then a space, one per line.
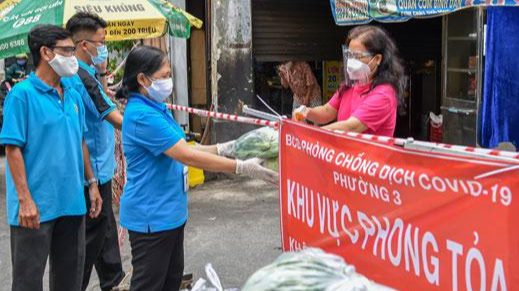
47, 161
102, 116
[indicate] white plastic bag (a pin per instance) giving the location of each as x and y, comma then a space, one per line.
214, 283
436, 119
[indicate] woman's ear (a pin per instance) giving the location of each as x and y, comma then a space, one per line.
142, 80
378, 59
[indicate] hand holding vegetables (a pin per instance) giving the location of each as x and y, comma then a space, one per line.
253, 169
261, 143
225, 149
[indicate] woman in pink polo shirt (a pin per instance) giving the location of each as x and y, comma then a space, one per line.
374, 78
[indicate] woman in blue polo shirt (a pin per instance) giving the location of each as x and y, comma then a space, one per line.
154, 202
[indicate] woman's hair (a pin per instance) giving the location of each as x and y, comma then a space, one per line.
143, 59
391, 70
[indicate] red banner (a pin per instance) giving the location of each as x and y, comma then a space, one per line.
407, 219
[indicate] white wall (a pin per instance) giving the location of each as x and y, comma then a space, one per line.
178, 58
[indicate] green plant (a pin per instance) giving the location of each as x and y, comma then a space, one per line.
120, 46
120, 49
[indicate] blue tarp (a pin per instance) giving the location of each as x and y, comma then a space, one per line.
500, 108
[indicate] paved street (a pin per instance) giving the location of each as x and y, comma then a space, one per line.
233, 224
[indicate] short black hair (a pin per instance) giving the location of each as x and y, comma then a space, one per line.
84, 21
142, 59
45, 35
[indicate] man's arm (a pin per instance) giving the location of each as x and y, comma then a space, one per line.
102, 69
28, 215
96, 203
101, 102
115, 118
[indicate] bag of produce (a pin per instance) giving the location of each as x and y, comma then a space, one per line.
310, 269
261, 143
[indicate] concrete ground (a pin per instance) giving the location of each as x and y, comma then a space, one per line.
234, 224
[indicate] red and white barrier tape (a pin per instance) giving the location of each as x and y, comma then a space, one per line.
387, 140
224, 116
454, 148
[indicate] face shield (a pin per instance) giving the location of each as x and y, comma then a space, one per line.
355, 70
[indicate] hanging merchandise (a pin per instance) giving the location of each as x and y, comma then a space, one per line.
436, 127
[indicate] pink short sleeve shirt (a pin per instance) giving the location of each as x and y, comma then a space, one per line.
376, 109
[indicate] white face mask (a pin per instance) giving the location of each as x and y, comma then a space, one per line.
357, 70
64, 66
160, 89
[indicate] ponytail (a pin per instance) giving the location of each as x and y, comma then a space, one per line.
123, 92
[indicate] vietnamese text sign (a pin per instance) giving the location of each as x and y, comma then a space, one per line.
351, 12
406, 219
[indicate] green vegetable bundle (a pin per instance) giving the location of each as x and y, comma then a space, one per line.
261, 143
310, 270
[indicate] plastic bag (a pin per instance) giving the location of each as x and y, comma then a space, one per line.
261, 143
436, 119
310, 269
214, 283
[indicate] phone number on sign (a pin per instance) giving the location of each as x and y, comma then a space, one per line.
12, 44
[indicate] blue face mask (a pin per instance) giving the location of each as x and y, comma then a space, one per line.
102, 55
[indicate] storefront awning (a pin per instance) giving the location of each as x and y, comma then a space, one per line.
352, 12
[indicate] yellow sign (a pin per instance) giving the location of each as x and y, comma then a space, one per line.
129, 19
332, 78
7, 6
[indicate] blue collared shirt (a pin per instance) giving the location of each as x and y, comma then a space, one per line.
49, 131
100, 137
154, 197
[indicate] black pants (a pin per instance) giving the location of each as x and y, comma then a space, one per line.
62, 241
102, 244
158, 260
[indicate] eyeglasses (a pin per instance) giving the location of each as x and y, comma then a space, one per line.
102, 42
66, 51
349, 54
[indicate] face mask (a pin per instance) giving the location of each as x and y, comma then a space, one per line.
21, 62
160, 89
64, 66
102, 55
357, 70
